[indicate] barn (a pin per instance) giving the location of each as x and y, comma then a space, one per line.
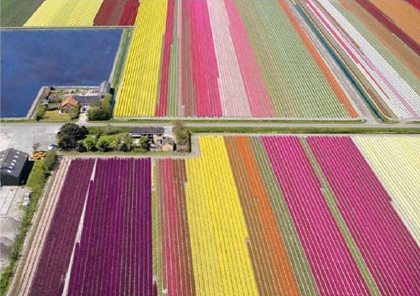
15, 167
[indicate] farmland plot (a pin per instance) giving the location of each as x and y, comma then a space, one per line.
227, 58
270, 215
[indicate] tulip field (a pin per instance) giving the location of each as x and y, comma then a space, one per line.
267, 215
395, 93
209, 59
69, 13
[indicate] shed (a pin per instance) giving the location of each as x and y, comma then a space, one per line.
148, 131
15, 167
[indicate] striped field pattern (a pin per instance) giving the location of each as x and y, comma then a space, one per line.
269, 215
68, 13
227, 58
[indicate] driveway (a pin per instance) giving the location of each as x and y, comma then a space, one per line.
23, 137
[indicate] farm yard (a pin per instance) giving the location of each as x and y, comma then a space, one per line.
68, 13
267, 215
31, 59
209, 59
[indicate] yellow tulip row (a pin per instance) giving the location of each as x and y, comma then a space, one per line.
64, 13
218, 231
139, 89
396, 161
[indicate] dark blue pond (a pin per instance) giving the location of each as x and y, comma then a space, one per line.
33, 58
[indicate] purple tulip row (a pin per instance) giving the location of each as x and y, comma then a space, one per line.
50, 272
114, 256
389, 250
331, 262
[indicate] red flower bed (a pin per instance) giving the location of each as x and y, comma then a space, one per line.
117, 12
129, 14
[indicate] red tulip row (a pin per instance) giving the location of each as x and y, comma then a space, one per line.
161, 109
116, 12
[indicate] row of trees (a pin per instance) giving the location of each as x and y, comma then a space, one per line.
73, 137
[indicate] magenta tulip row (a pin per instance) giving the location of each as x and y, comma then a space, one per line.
114, 255
55, 258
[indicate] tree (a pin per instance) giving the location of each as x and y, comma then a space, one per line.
40, 112
103, 143
101, 110
69, 134
90, 143
50, 160
144, 143
182, 135
36, 146
75, 112
126, 139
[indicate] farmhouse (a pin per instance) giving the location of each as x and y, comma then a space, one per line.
148, 131
68, 103
14, 167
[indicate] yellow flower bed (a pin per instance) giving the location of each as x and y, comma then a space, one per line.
218, 229
139, 89
65, 13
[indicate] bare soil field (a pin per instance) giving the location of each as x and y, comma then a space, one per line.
392, 42
403, 14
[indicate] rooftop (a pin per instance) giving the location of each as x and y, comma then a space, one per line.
12, 161
146, 130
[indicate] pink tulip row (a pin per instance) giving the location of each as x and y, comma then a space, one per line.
204, 61
390, 252
257, 93
331, 262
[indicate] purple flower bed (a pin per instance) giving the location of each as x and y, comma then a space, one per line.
334, 268
114, 256
389, 250
55, 257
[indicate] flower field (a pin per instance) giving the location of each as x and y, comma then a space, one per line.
209, 59
395, 94
58, 13
269, 215
68, 13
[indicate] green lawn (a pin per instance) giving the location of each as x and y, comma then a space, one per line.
54, 115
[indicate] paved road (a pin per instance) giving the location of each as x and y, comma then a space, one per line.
22, 136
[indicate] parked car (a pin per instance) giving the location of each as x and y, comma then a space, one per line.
52, 147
